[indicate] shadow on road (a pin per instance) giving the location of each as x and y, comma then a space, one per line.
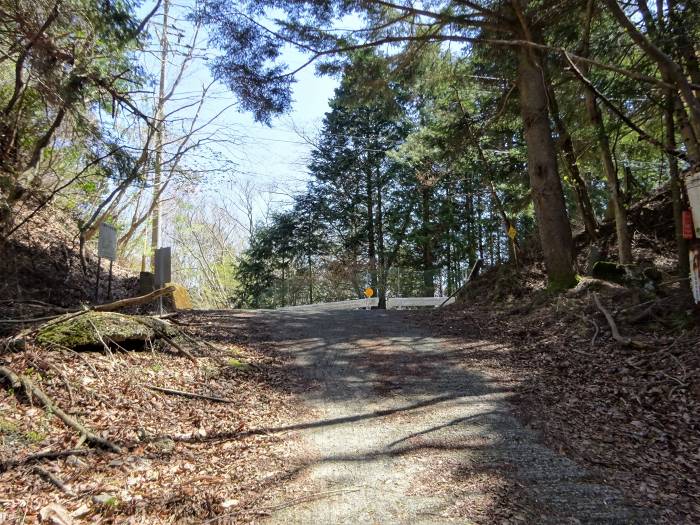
390, 405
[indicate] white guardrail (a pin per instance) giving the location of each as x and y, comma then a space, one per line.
392, 303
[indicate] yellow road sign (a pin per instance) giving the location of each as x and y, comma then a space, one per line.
512, 232
369, 292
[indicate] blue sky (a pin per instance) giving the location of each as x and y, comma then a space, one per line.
269, 156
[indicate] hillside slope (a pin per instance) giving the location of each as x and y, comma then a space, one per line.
41, 262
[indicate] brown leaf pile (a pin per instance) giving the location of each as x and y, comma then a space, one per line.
183, 460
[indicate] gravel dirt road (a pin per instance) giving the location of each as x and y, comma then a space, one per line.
395, 429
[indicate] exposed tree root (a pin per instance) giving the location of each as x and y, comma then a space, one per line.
31, 390
627, 341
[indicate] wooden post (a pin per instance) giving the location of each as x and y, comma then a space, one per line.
97, 284
109, 281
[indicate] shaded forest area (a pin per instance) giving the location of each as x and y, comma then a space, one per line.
556, 141
435, 151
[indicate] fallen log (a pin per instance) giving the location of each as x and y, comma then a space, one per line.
108, 307
134, 301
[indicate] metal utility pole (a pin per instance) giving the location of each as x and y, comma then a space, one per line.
160, 116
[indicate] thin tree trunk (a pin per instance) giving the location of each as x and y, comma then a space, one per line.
448, 239
283, 290
383, 270
480, 224
308, 259
583, 200
624, 241
371, 246
472, 242
428, 281
676, 191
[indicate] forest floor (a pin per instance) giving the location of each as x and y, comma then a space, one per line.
628, 413
182, 460
522, 411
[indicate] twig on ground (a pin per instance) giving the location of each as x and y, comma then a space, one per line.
635, 306
196, 341
47, 476
311, 497
644, 314
63, 378
87, 362
595, 335
595, 326
19, 340
34, 391
10, 463
167, 316
30, 320
673, 281
178, 347
187, 394
99, 337
287, 504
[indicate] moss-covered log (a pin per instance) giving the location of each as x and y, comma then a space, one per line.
90, 328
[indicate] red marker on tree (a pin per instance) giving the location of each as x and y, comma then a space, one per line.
687, 225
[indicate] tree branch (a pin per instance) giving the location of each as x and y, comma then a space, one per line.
643, 135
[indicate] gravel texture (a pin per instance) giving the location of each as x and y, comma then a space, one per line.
396, 429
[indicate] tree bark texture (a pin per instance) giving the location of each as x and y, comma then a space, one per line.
547, 193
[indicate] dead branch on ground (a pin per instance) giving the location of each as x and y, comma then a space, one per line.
108, 307
55, 481
134, 301
33, 458
31, 390
626, 341
179, 348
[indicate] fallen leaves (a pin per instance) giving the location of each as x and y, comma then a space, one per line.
55, 514
183, 458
